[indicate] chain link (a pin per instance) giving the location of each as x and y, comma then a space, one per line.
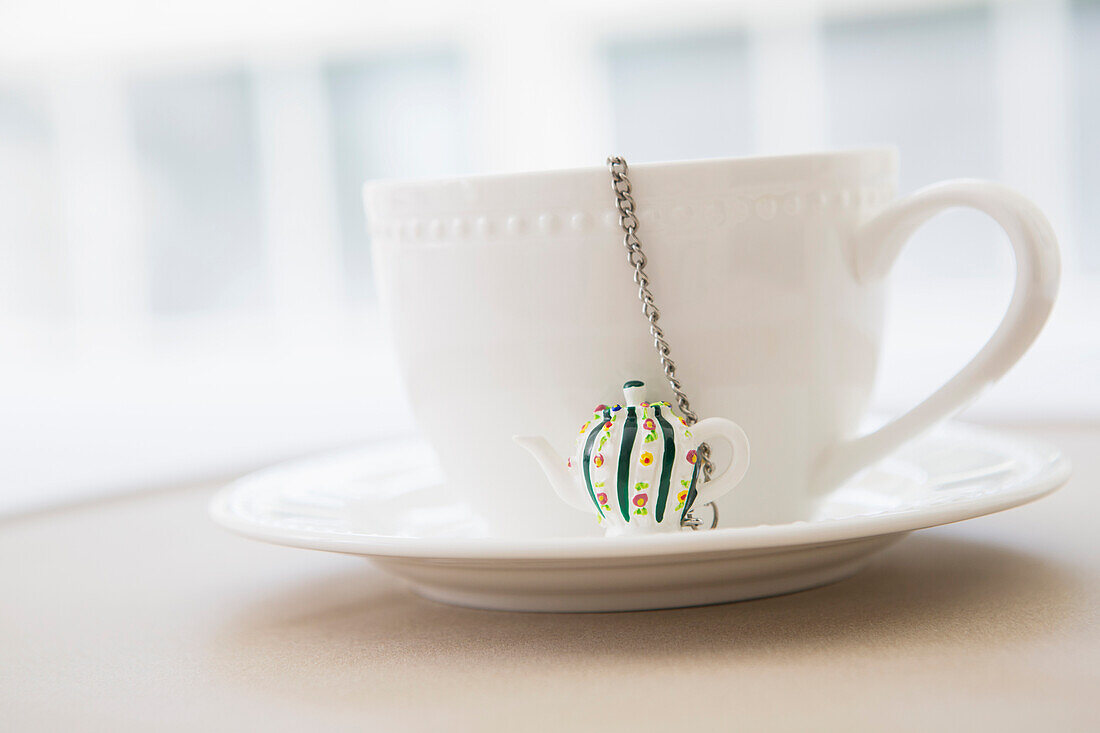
628, 220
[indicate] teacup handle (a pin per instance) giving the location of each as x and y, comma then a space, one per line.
706, 431
876, 245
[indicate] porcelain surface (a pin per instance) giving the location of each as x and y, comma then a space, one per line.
511, 304
388, 503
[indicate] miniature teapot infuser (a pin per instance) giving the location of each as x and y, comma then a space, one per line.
641, 468
637, 466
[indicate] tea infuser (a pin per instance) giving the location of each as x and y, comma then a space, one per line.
628, 220
614, 469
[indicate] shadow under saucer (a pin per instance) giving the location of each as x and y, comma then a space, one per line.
364, 629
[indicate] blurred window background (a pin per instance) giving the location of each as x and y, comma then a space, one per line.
185, 288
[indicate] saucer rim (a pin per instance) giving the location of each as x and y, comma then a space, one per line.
1052, 471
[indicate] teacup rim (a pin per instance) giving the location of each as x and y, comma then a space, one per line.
880, 159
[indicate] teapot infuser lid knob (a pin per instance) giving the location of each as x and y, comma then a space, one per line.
634, 392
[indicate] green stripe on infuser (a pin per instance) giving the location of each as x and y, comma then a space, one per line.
586, 469
633, 383
626, 447
667, 461
692, 493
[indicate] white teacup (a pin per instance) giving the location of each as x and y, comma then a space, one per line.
513, 310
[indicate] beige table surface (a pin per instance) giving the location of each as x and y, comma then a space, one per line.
138, 613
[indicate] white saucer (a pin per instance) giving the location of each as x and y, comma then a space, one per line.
388, 503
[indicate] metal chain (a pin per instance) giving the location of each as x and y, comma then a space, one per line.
628, 220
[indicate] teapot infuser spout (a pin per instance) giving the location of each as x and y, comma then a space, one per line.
557, 469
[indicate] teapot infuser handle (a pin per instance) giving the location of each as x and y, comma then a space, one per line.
708, 430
